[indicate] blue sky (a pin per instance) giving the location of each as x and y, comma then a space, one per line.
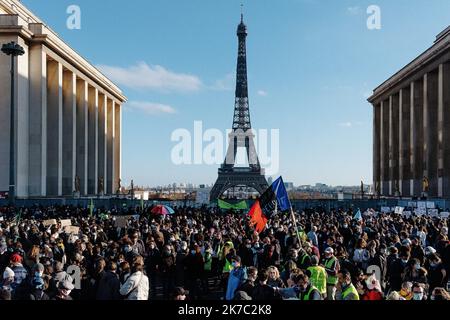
311, 63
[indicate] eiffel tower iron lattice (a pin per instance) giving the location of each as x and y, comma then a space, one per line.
241, 135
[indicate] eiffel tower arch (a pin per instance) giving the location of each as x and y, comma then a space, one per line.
241, 136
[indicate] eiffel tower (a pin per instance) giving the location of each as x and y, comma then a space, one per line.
242, 135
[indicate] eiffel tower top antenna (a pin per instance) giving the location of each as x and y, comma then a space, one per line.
242, 12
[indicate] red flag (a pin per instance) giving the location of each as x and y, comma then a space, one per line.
257, 217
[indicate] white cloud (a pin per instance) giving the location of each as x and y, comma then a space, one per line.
349, 124
150, 107
224, 84
354, 10
262, 93
155, 77
346, 124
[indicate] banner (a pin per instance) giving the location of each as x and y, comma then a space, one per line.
399, 210
238, 206
433, 212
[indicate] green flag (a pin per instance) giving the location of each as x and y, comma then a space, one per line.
142, 204
91, 208
238, 206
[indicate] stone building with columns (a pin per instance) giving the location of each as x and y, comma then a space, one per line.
68, 114
411, 126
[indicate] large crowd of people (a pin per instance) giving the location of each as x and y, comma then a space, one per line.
202, 253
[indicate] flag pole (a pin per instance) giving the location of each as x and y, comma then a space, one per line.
295, 225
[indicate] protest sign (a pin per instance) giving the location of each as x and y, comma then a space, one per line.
445, 214
66, 222
407, 214
421, 205
433, 212
430, 205
121, 222
49, 222
385, 209
412, 204
399, 210
71, 229
420, 211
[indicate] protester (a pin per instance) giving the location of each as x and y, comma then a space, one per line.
237, 277
136, 286
195, 248
346, 290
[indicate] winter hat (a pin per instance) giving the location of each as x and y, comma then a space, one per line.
8, 273
38, 267
16, 258
65, 285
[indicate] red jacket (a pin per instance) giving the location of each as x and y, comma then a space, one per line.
372, 295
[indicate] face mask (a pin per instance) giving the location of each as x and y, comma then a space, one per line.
192, 251
433, 264
127, 249
404, 261
418, 296
183, 248
417, 266
257, 246
152, 246
345, 225
248, 246
234, 264
66, 292
38, 274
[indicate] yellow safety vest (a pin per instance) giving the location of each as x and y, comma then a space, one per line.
306, 296
331, 279
318, 278
350, 289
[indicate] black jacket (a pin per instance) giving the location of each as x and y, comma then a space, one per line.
108, 287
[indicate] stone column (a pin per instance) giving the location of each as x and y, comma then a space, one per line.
69, 131
93, 141
444, 131
102, 132
382, 138
430, 124
38, 122
109, 181
384, 153
54, 129
117, 143
21, 120
416, 145
82, 136
393, 143
376, 147
404, 140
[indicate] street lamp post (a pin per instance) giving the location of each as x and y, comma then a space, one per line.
12, 49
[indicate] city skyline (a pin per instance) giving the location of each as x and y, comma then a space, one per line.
292, 79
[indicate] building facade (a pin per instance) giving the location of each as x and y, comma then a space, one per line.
68, 115
411, 127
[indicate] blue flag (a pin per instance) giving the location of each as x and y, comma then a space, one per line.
278, 187
358, 215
